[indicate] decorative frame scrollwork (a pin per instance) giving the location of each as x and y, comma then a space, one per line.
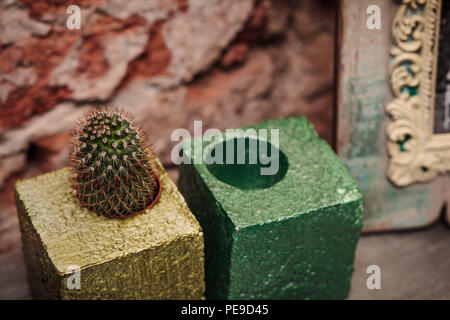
416, 153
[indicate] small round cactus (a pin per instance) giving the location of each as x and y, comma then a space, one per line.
112, 171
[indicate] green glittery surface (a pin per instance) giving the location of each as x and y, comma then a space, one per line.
292, 240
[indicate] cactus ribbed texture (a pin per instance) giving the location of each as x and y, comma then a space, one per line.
111, 167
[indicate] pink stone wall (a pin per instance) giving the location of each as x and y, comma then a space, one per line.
228, 63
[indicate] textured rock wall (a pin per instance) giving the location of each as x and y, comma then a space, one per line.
169, 62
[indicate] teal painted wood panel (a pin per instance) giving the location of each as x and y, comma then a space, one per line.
362, 93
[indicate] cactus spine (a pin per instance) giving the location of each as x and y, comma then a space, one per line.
112, 172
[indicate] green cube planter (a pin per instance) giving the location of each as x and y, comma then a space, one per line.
157, 254
288, 236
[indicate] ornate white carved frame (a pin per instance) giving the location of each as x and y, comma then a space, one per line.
416, 153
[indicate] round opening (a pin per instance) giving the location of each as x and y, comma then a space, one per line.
246, 163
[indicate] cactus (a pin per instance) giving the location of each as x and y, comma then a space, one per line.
111, 168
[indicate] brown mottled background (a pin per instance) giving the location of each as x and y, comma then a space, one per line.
169, 62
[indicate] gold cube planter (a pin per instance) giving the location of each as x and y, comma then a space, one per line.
157, 254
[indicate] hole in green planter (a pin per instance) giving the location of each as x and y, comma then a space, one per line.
246, 167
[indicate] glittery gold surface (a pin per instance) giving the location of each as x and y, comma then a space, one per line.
157, 254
